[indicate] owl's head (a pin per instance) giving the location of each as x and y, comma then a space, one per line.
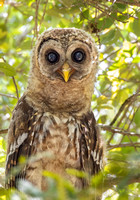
64, 63
65, 54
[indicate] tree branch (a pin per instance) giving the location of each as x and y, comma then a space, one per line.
136, 144
16, 7
44, 12
8, 95
125, 2
117, 130
15, 87
128, 2
128, 80
110, 181
110, 55
36, 17
130, 99
3, 131
23, 35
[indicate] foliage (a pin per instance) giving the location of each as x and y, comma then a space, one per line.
115, 28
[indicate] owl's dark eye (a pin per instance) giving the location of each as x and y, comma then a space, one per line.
78, 55
52, 57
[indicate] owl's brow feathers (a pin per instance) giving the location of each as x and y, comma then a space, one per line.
45, 40
87, 38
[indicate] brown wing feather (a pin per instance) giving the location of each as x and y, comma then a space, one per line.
19, 140
91, 149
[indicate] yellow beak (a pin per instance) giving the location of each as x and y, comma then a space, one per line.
66, 72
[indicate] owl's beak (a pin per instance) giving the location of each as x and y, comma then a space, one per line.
66, 71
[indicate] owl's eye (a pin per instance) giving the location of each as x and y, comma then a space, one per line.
78, 55
52, 57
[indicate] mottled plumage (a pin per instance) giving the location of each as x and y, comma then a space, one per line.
54, 113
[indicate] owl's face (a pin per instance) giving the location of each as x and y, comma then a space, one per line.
64, 63
66, 54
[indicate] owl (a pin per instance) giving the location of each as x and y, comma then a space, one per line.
54, 117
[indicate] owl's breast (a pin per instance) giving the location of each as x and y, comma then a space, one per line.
60, 137
58, 141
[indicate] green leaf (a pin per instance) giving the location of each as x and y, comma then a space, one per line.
121, 7
84, 14
103, 119
137, 117
110, 35
67, 3
136, 59
54, 12
130, 51
3, 31
3, 192
104, 23
76, 173
1, 54
106, 106
122, 18
26, 44
136, 25
7, 69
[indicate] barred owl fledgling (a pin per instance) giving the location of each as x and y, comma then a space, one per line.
54, 113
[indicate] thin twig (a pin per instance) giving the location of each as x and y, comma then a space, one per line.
117, 130
8, 14
128, 80
110, 181
110, 55
19, 10
15, 87
130, 122
128, 2
23, 35
36, 18
109, 146
20, 64
130, 99
44, 12
3, 131
127, 102
124, 114
133, 117
131, 142
8, 95
14, 83
126, 121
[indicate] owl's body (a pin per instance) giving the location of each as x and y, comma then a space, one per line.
54, 116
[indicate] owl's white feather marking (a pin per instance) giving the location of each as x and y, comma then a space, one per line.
101, 164
77, 140
47, 122
93, 154
97, 157
64, 120
17, 144
21, 139
71, 129
37, 127
57, 120
31, 143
